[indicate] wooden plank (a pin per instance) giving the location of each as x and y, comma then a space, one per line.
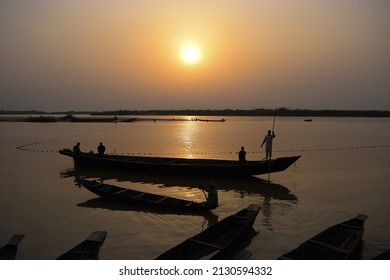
138, 195
329, 246
120, 191
161, 199
205, 243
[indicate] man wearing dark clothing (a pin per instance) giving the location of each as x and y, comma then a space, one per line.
101, 149
242, 155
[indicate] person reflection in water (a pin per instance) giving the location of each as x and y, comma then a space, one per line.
242, 155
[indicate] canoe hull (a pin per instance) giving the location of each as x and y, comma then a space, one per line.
87, 249
215, 240
181, 165
338, 242
129, 196
8, 252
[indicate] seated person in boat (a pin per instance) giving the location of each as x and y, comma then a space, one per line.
212, 196
242, 155
101, 149
76, 148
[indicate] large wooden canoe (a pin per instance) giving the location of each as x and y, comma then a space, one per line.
338, 242
142, 198
8, 251
87, 249
181, 165
217, 239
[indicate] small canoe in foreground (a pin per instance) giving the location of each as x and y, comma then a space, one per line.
338, 242
8, 252
181, 165
142, 198
216, 239
88, 249
383, 256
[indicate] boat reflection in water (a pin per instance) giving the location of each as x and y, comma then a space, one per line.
244, 186
210, 217
248, 185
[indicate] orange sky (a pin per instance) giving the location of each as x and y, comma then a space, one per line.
107, 55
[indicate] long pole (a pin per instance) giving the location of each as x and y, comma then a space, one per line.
273, 124
201, 187
269, 170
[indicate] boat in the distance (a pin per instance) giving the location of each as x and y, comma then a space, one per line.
142, 198
216, 240
181, 165
338, 242
209, 120
87, 249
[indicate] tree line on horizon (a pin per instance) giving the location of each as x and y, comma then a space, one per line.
283, 112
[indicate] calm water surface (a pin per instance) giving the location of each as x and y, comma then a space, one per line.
343, 171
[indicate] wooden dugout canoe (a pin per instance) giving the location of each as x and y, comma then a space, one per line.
216, 240
87, 249
181, 165
337, 242
142, 198
8, 251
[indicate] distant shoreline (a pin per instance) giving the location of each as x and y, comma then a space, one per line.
215, 115
97, 119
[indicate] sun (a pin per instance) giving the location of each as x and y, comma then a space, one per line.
190, 53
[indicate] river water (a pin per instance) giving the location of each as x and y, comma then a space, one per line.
344, 171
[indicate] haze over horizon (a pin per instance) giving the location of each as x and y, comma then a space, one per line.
167, 55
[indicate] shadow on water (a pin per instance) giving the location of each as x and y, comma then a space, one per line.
102, 203
245, 186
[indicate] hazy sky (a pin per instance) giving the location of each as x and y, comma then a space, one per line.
122, 54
